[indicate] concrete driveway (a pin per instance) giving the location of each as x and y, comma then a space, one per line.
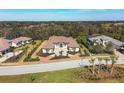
9, 55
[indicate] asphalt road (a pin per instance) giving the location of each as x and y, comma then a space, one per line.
15, 70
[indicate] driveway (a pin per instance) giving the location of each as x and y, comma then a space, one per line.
15, 70
9, 55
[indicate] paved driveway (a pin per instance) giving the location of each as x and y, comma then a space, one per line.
9, 55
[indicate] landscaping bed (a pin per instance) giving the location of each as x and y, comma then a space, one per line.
59, 57
86, 74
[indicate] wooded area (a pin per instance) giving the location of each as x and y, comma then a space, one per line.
42, 30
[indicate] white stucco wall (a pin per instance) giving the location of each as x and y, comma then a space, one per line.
47, 51
77, 50
50, 51
62, 49
71, 49
13, 44
44, 51
74, 49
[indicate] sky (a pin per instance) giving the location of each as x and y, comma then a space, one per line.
61, 14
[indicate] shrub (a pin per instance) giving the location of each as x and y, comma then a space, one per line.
86, 52
94, 77
33, 59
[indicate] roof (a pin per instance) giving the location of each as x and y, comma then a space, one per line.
103, 37
4, 44
60, 39
19, 39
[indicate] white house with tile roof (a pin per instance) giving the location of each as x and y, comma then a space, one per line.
60, 46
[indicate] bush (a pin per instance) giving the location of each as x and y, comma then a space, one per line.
59, 57
86, 52
94, 77
33, 59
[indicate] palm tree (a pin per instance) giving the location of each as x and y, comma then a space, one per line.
99, 59
92, 61
114, 60
106, 60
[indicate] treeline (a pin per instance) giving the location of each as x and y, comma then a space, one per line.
42, 30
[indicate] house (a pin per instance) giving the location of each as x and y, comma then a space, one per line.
60, 46
102, 39
4, 46
17, 42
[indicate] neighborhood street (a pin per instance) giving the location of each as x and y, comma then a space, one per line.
14, 70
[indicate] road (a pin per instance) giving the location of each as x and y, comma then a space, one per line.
15, 70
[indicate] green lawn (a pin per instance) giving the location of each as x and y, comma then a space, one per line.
29, 47
83, 49
38, 44
63, 76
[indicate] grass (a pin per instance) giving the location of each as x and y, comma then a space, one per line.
28, 50
63, 76
39, 44
83, 48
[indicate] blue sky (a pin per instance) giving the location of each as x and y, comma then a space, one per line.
61, 14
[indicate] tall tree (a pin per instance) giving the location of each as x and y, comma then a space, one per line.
92, 61
107, 60
100, 60
114, 60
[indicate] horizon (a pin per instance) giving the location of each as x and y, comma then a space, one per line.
39, 15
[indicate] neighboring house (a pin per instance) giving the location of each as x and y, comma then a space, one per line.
60, 46
102, 39
4, 46
17, 42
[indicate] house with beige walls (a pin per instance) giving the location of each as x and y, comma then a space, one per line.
60, 46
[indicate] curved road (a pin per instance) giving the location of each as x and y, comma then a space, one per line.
15, 70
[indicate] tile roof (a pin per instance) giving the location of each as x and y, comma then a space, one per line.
60, 39
4, 44
19, 39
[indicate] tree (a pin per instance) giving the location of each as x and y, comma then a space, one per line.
107, 60
97, 49
109, 48
100, 60
92, 61
33, 43
114, 60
